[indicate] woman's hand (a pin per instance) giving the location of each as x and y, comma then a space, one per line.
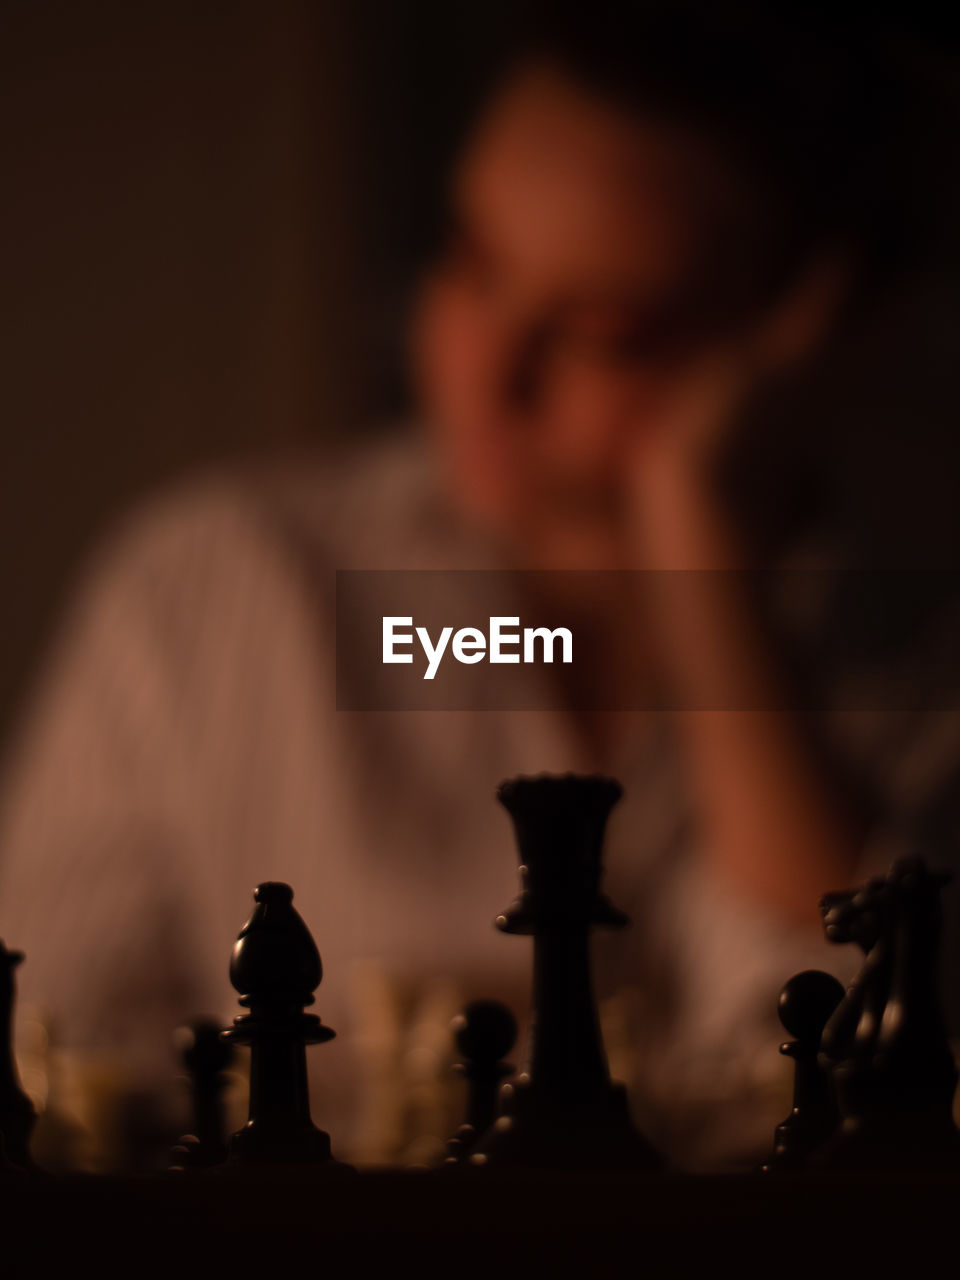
701, 406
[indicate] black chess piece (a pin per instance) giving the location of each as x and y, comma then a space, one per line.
485, 1033
276, 968
886, 1045
206, 1057
17, 1116
564, 1111
806, 1005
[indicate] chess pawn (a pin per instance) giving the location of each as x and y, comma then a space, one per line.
564, 1111
206, 1057
276, 968
17, 1116
485, 1033
806, 1005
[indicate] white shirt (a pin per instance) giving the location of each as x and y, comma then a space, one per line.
185, 745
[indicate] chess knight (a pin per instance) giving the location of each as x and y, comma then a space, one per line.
886, 1046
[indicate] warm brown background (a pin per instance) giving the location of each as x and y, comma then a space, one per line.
211, 215
208, 226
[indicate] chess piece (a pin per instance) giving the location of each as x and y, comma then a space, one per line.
886, 1045
206, 1056
485, 1033
564, 1111
17, 1116
276, 968
806, 1004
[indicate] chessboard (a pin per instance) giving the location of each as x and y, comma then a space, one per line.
548, 1173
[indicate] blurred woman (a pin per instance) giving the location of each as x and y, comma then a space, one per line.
651, 224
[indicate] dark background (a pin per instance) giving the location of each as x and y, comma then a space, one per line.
212, 215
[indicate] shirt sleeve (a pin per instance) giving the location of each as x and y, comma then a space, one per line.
101, 834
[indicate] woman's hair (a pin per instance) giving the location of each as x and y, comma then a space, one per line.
812, 110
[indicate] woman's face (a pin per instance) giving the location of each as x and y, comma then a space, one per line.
567, 293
